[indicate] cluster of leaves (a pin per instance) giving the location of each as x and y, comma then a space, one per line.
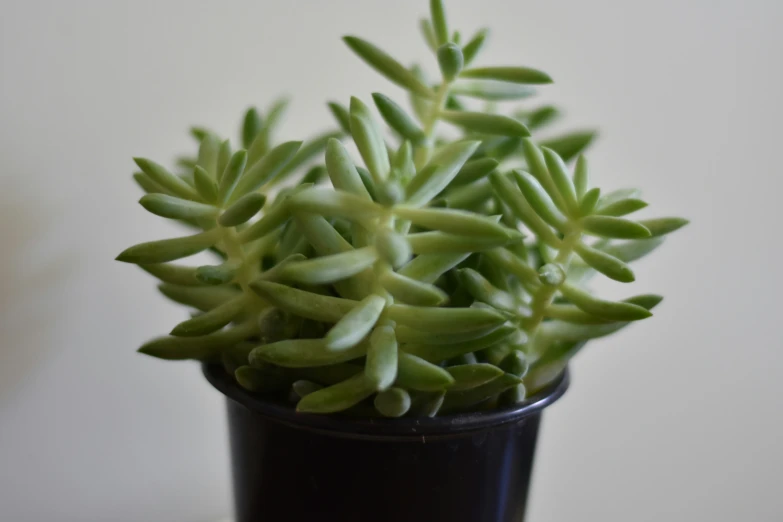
441, 275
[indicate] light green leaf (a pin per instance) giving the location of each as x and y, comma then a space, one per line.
460, 400
490, 90
467, 376
387, 66
396, 117
614, 227
328, 269
632, 250
611, 310
337, 397
472, 48
581, 178
483, 291
428, 33
539, 200
439, 25
356, 324
176, 208
559, 173
309, 150
342, 170
523, 75
429, 182
394, 402
303, 353
414, 373
443, 319
216, 275
212, 320
224, 155
169, 249
608, 265
251, 126
381, 365
514, 265
512, 197
442, 352
393, 247
536, 165
662, 226
199, 297
231, 174
168, 181
174, 274
474, 170
340, 114
205, 348
458, 222
589, 201
435, 243
273, 219
242, 210
427, 268
335, 203
369, 140
410, 291
208, 152
205, 185
305, 304
486, 123
265, 169
622, 207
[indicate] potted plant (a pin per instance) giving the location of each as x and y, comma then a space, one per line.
388, 327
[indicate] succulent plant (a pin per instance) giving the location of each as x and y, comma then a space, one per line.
437, 275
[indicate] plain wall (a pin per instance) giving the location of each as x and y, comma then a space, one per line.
678, 418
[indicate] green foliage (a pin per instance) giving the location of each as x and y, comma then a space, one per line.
429, 274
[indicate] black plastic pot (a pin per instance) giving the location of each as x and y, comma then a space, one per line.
291, 467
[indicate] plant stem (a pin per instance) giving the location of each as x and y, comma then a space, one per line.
245, 270
424, 153
546, 293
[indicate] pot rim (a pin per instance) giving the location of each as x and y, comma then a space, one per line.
404, 427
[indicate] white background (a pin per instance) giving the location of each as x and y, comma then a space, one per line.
677, 419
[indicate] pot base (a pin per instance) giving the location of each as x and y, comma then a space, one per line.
296, 468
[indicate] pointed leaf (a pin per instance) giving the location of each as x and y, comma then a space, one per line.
610, 266
381, 365
166, 179
342, 170
211, 321
387, 66
612, 310
484, 123
337, 397
176, 208
490, 90
523, 75
414, 373
266, 169
356, 324
242, 210
396, 117
169, 249
305, 304
614, 227
303, 353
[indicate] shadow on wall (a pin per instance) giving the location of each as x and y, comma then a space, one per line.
32, 276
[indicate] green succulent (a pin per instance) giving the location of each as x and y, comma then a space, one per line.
438, 275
